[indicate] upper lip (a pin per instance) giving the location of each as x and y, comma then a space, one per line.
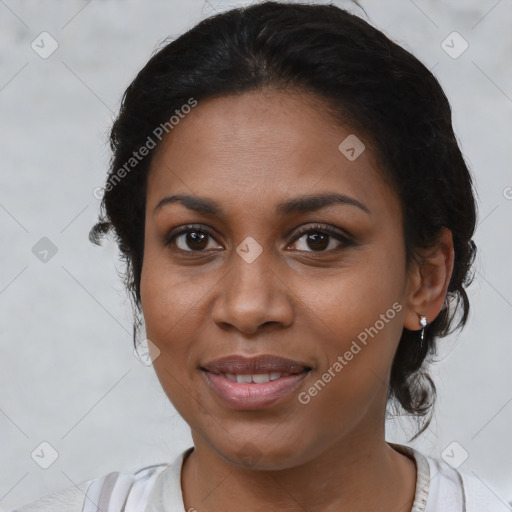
265, 363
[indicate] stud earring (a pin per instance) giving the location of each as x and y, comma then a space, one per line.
423, 323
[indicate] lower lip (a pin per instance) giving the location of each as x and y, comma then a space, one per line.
251, 396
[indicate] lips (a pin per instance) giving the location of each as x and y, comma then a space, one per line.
253, 383
263, 364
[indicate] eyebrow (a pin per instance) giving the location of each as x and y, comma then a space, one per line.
302, 204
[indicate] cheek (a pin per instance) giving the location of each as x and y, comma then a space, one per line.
361, 313
361, 325
170, 294
170, 306
358, 349
173, 302
357, 297
171, 314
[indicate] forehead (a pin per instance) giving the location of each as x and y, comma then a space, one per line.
260, 146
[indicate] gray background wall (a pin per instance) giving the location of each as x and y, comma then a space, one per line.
68, 376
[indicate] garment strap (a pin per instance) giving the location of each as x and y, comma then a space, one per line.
122, 492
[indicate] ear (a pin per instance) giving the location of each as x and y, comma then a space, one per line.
428, 282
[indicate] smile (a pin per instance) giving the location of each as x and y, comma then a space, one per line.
257, 378
243, 392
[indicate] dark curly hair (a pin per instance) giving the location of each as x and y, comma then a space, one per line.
365, 80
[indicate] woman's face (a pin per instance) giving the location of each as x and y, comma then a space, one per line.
243, 282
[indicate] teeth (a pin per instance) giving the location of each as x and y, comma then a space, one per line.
259, 378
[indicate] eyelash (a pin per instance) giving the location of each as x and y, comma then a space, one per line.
316, 228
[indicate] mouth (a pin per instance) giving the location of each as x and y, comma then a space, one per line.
258, 365
253, 383
255, 378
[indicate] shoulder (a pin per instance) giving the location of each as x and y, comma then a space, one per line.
481, 495
108, 492
442, 487
459, 488
70, 499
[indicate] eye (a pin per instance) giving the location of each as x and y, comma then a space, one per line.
193, 237
321, 239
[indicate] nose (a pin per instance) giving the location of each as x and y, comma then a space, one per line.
253, 296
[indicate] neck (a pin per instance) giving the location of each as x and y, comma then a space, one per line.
358, 473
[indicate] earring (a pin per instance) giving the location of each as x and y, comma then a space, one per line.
423, 323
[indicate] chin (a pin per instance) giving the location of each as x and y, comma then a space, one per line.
259, 454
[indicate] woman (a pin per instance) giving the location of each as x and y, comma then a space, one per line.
296, 218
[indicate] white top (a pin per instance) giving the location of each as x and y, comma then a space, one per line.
157, 488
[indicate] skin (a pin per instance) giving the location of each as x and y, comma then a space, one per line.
295, 300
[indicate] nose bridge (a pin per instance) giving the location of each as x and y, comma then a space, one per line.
251, 266
252, 293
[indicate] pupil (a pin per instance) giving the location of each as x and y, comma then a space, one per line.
193, 237
318, 237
